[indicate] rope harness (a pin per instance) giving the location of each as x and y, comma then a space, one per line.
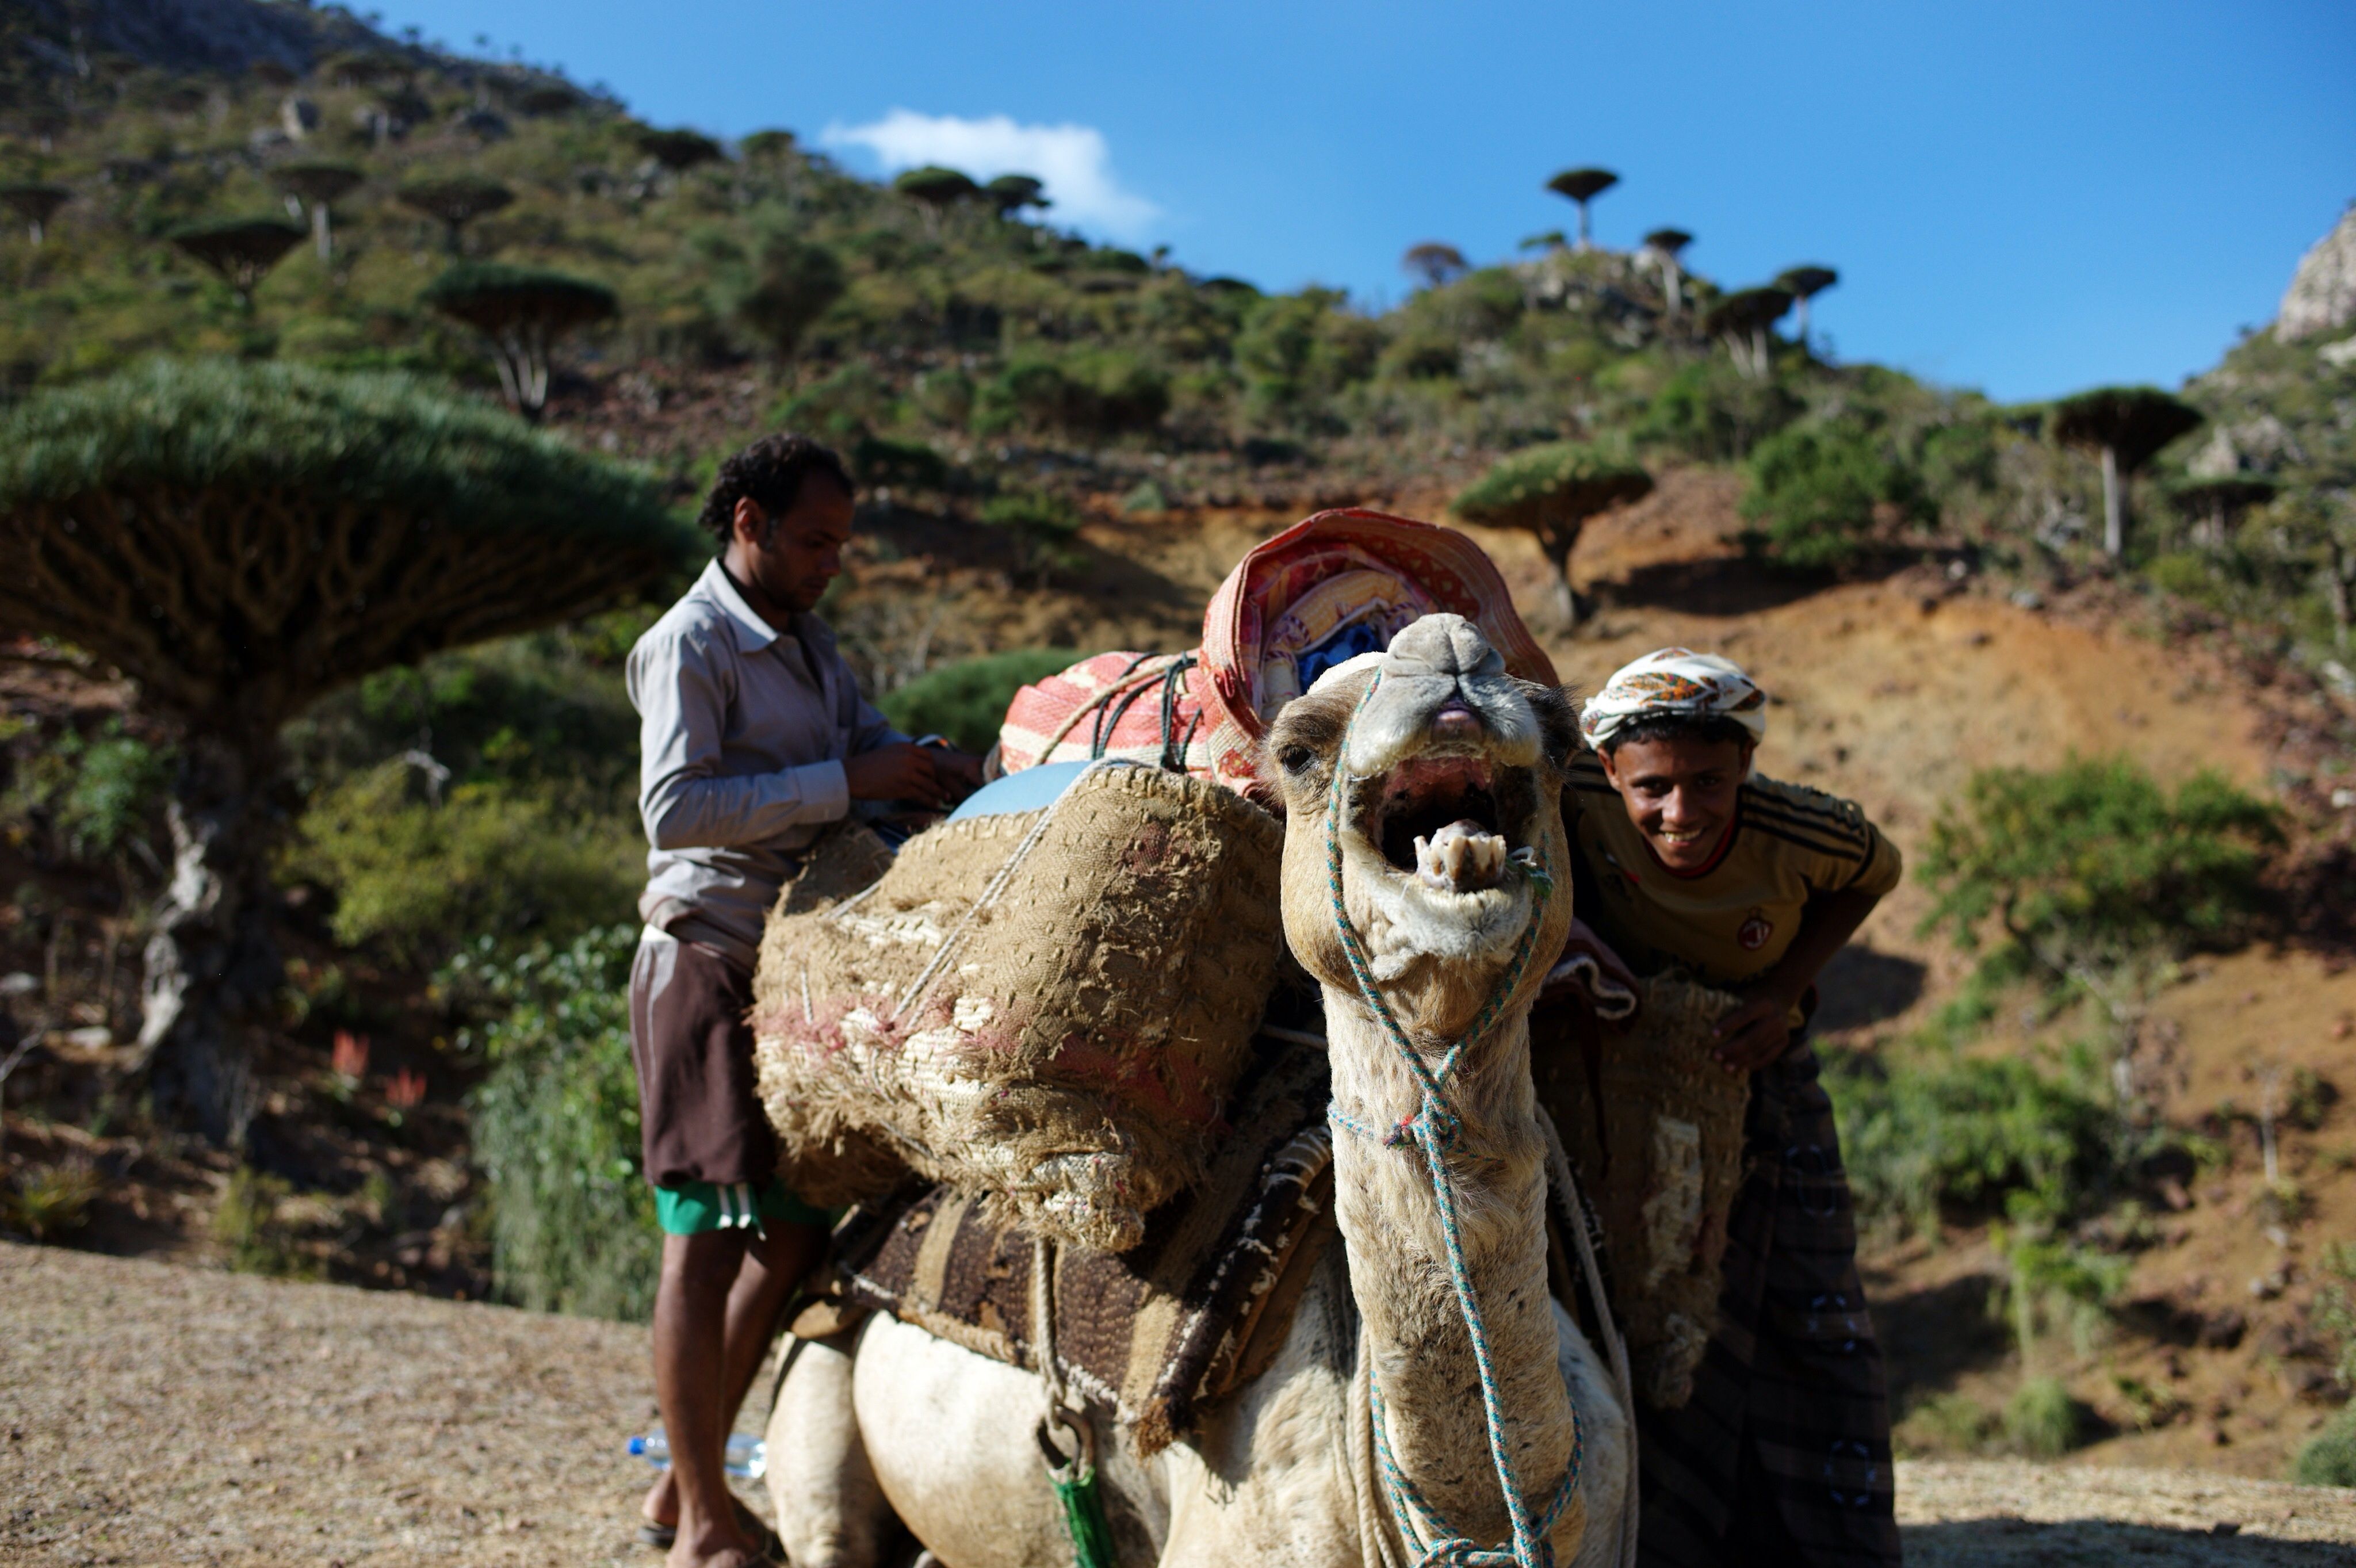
1434, 1130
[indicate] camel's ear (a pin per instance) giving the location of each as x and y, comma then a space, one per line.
1557, 713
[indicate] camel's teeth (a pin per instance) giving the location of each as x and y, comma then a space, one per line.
1462, 857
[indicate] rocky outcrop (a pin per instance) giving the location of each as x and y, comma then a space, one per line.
2322, 294
191, 35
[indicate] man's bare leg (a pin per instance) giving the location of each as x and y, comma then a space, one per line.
759, 1277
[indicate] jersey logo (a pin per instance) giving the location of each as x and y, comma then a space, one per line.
1754, 933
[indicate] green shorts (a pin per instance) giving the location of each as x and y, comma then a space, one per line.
698, 1207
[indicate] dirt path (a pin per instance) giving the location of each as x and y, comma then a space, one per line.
158, 1414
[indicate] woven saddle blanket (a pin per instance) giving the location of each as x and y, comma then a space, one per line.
1156, 1333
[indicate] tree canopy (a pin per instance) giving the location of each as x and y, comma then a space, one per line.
523, 311
240, 250
257, 534
1667, 241
1434, 263
678, 150
936, 187
2134, 422
767, 144
456, 199
1583, 183
1010, 193
1551, 490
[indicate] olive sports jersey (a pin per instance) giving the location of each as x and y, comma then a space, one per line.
1732, 919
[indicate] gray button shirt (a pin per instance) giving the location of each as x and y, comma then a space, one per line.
741, 735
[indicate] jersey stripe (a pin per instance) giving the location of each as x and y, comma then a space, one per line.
1810, 821
1838, 813
1776, 830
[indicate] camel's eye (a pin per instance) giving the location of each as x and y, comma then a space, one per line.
1293, 759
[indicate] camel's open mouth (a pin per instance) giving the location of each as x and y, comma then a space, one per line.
1424, 796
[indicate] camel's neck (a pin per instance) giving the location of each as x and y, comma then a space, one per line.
1399, 1274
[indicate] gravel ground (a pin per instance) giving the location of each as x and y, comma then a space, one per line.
159, 1414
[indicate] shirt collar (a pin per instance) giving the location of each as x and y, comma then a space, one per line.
753, 634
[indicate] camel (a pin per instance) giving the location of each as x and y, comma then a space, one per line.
1369, 1440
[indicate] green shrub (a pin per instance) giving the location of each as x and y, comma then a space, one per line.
48, 1202
556, 1124
252, 1239
2042, 1421
842, 407
1814, 492
2186, 574
2329, 1458
2335, 1309
1708, 412
1947, 1424
966, 700
1041, 527
500, 858
98, 791
2095, 862
1943, 1128
2053, 1282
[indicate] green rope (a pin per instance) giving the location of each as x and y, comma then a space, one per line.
1432, 1130
1084, 1516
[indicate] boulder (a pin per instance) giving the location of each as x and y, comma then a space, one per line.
2322, 294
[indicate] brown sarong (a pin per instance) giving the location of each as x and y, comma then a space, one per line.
699, 1118
1782, 1456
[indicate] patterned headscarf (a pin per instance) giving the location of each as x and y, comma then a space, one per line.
1674, 681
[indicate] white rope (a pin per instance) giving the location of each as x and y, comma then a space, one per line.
1616, 1344
918, 989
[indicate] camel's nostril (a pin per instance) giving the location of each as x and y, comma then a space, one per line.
1455, 721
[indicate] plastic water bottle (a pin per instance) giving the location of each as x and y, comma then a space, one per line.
747, 1457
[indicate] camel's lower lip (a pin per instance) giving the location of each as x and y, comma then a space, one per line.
1424, 794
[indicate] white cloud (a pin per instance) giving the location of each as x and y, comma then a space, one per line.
1071, 160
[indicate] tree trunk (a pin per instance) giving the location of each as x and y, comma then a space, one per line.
1558, 540
2115, 523
1585, 243
213, 965
1803, 324
319, 234
2340, 585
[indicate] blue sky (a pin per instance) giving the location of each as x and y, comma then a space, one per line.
2027, 199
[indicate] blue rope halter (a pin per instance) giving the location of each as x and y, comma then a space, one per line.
1433, 1129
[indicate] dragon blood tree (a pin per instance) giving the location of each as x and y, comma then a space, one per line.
317, 186
1551, 491
240, 250
1667, 246
457, 200
35, 204
522, 312
239, 539
2127, 427
1745, 322
1803, 284
1580, 186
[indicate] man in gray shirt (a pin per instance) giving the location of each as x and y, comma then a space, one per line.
753, 739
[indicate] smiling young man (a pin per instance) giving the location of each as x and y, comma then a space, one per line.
753, 739
1688, 858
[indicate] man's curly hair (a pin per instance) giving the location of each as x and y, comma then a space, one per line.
769, 473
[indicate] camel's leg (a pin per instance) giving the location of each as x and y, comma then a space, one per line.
1604, 1432
950, 1435
831, 1511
